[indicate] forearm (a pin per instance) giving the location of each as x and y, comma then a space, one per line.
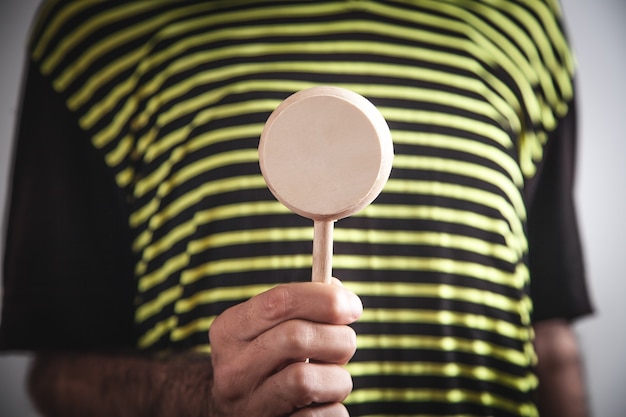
78, 384
562, 390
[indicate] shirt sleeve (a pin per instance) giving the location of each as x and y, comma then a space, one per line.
68, 281
558, 285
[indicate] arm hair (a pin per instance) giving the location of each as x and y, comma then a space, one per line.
65, 384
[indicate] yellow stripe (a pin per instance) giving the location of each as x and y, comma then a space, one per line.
154, 150
193, 197
190, 146
205, 349
478, 46
165, 182
225, 266
259, 32
158, 276
340, 26
484, 129
483, 37
252, 33
207, 101
227, 72
435, 140
552, 74
199, 325
125, 177
341, 235
157, 332
555, 39
52, 28
443, 240
116, 39
541, 51
515, 279
219, 240
364, 289
468, 169
498, 203
220, 294
179, 136
515, 215
502, 42
120, 120
238, 183
492, 107
156, 305
204, 117
443, 214
378, 341
164, 96
90, 26
444, 317
179, 233
124, 147
448, 370
447, 396
364, 341
447, 215
202, 217
439, 291
98, 80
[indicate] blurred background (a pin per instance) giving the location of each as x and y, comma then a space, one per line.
598, 35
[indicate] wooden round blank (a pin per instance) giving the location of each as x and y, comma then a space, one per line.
326, 152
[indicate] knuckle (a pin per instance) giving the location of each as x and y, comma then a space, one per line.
216, 331
298, 336
336, 306
341, 307
277, 303
301, 383
223, 331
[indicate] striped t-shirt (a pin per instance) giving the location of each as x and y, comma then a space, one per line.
166, 101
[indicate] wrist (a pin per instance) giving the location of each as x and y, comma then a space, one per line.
186, 383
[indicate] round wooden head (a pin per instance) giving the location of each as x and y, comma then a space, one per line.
326, 153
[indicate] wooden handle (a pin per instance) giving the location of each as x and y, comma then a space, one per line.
322, 251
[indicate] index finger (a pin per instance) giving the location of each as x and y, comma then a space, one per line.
312, 301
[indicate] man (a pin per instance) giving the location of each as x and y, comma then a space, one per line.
139, 219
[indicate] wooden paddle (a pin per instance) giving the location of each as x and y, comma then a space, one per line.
325, 153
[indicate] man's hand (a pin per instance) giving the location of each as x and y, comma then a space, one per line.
281, 352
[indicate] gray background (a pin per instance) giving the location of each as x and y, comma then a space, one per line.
598, 34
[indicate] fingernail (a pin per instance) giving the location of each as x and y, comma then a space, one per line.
356, 305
